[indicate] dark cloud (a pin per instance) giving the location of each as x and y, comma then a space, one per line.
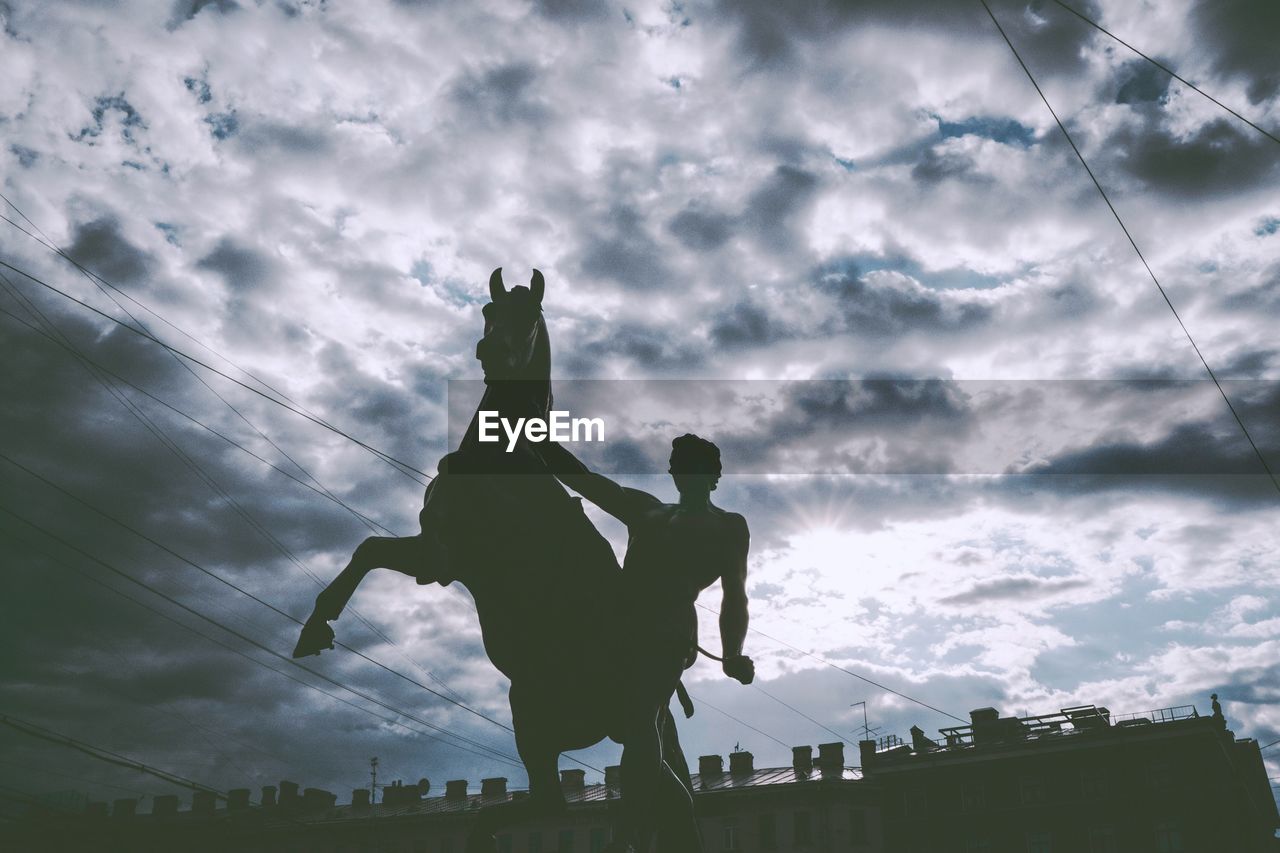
886, 309
1214, 160
771, 35
701, 230
1242, 37
242, 267
100, 246
745, 324
772, 209
1141, 82
620, 249
1013, 588
501, 95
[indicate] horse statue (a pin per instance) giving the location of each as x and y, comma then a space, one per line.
544, 580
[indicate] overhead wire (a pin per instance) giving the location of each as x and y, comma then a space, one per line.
849, 672
102, 283
1106, 198
249, 640
193, 630
404, 467
234, 443
231, 585
1166, 69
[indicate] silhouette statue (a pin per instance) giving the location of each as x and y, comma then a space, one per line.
548, 591
674, 552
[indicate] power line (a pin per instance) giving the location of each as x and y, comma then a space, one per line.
404, 467
725, 713
823, 660
102, 283
194, 420
803, 714
203, 475
1166, 69
198, 567
253, 660
1275, 482
35, 731
171, 600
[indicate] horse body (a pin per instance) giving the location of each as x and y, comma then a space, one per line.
544, 580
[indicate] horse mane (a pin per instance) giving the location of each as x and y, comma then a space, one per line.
539, 367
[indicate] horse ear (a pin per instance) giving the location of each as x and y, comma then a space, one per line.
537, 285
496, 287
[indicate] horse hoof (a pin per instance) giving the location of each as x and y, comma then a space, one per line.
316, 635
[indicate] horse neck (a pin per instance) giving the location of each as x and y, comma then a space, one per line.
526, 396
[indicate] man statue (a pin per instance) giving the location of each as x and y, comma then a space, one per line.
674, 552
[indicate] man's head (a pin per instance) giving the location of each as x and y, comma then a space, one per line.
695, 464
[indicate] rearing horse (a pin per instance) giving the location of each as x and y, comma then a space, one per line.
545, 582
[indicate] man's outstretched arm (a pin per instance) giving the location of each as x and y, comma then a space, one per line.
733, 610
622, 503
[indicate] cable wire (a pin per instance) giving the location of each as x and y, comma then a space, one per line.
1167, 70
1275, 482
220, 579
244, 638
404, 467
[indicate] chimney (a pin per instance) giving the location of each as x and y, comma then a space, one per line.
455, 789
831, 757
741, 763
360, 798
802, 760
165, 804
495, 787
573, 780
710, 766
867, 753
203, 802
613, 775
268, 796
237, 799
288, 793
127, 807
317, 799
921, 743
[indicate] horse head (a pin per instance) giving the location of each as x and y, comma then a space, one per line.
515, 343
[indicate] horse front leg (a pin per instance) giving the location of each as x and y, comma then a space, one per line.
409, 555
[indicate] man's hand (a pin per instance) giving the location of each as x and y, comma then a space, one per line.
740, 667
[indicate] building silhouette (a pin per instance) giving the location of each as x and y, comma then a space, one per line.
1077, 780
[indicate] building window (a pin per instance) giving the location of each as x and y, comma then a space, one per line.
504, 843
1093, 783
857, 826
915, 801
565, 841
535, 842
1039, 841
1168, 837
1032, 790
1102, 839
973, 796
803, 827
599, 838
729, 835
768, 831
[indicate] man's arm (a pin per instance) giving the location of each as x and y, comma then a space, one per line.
622, 503
733, 608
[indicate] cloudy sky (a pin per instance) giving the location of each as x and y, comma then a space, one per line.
1052, 507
